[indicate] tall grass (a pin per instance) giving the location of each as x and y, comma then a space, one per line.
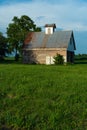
39, 97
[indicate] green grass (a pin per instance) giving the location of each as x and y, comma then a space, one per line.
39, 97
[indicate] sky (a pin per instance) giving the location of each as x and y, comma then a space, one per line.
66, 14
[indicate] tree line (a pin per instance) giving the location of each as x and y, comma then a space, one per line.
16, 34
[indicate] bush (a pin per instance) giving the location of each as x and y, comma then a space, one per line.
16, 57
58, 59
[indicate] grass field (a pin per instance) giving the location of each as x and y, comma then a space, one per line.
39, 97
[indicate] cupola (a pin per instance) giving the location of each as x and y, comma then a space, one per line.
50, 28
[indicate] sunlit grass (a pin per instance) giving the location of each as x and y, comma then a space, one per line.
39, 97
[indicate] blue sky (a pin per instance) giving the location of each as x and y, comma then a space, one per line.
67, 14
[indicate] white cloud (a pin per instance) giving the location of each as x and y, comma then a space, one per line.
66, 14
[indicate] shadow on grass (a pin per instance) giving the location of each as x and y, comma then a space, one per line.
11, 61
5, 128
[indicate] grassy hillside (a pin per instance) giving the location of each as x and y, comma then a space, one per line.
39, 97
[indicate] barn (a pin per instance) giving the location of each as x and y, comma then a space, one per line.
41, 47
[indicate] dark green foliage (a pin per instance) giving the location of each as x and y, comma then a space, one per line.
16, 57
38, 29
81, 58
3, 46
39, 97
18, 30
58, 59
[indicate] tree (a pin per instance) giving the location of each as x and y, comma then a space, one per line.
58, 59
18, 30
3, 46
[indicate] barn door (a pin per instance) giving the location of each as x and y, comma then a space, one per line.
52, 60
48, 60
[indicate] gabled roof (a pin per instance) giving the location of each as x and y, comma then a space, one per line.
59, 39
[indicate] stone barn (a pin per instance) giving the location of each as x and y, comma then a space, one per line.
41, 47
